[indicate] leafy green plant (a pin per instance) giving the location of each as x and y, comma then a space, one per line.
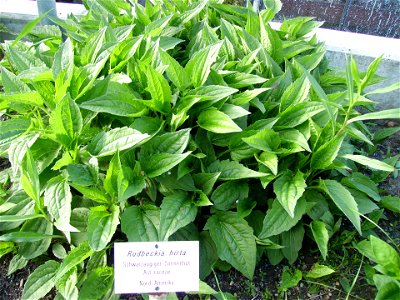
387, 260
177, 120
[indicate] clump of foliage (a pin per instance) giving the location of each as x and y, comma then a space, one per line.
177, 120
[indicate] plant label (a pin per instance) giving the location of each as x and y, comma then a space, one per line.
156, 267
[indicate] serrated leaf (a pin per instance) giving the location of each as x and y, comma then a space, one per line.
391, 202
217, 122
205, 181
159, 89
30, 177
362, 183
24, 237
74, 258
277, 220
162, 162
141, 223
292, 241
288, 189
109, 142
318, 271
199, 66
247, 96
270, 160
58, 199
369, 162
228, 193
299, 113
102, 225
171, 142
343, 200
177, 211
176, 73
41, 281
326, 154
232, 170
321, 236
17, 218
32, 249
289, 279
98, 282
265, 140
393, 113
234, 240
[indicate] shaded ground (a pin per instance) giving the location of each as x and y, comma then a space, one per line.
267, 278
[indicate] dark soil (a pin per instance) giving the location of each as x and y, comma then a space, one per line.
267, 278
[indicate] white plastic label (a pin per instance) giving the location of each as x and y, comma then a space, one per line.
154, 267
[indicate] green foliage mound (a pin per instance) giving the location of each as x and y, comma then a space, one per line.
180, 120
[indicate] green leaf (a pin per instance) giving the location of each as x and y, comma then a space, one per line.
24, 237
326, 154
141, 223
162, 162
384, 90
102, 225
217, 122
265, 140
16, 263
343, 200
318, 271
28, 28
41, 281
74, 258
66, 121
208, 254
98, 282
234, 111
111, 181
385, 256
289, 279
232, 170
206, 181
32, 249
228, 193
362, 183
176, 73
30, 177
171, 142
292, 241
321, 236
299, 113
289, 189
297, 92
17, 218
369, 162
58, 199
234, 240
109, 142
159, 89
391, 202
393, 113
11, 129
277, 220
177, 211
270, 160
388, 291
116, 103
92, 46
199, 66
247, 96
